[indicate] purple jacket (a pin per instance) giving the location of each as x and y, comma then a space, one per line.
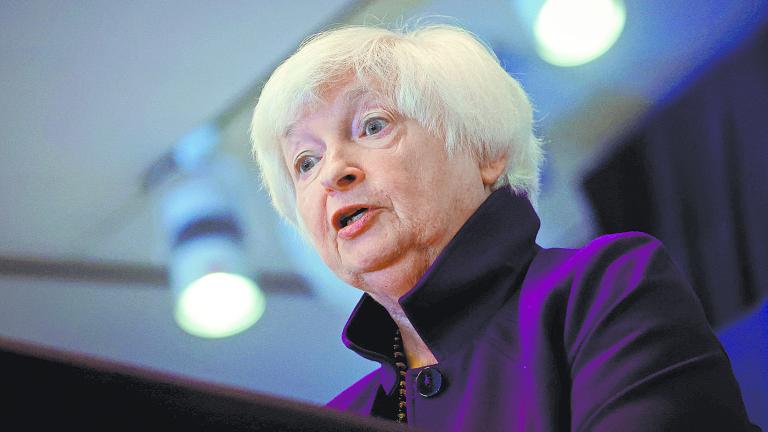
604, 338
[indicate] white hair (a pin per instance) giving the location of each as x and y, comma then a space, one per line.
442, 76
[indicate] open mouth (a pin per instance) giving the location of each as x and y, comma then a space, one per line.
349, 218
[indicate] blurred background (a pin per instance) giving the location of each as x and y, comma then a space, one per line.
125, 171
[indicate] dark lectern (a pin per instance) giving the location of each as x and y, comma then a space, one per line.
47, 389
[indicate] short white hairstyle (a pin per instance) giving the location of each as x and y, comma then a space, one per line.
442, 76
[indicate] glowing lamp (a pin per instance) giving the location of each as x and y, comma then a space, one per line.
214, 297
574, 32
219, 305
207, 267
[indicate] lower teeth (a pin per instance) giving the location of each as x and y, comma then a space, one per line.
355, 217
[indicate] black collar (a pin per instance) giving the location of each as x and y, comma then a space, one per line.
470, 280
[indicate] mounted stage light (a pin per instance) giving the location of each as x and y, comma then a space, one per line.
208, 272
571, 33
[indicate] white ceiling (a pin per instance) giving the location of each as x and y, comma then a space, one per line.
94, 92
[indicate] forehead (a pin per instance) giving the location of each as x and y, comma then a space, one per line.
345, 96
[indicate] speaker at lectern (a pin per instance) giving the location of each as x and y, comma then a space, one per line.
47, 389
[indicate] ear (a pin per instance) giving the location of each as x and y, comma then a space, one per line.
492, 170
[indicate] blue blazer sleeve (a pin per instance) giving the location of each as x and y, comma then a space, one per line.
642, 355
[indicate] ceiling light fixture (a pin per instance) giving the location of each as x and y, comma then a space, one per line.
572, 33
208, 272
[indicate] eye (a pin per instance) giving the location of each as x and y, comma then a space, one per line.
305, 163
374, 126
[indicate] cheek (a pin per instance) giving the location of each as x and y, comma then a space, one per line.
311, 213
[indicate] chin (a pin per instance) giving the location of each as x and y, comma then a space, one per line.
367, 262
362, 264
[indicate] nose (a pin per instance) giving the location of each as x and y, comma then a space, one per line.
340, 174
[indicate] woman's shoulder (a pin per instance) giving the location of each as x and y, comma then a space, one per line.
634, 336
603, 249
605, 263
626, 277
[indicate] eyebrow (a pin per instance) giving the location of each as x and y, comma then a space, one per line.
355, 93
352, 95
289, 130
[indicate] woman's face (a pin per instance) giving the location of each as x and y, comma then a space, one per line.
378, 194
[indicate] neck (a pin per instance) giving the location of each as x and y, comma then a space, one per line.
416, 351
387, 285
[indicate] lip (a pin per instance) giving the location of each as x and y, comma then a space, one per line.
357, 227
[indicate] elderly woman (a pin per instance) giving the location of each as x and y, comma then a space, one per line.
408, 161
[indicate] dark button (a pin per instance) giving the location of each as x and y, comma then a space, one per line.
429, 382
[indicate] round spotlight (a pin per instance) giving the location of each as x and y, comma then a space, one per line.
571, 33
207, 261
218, 305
